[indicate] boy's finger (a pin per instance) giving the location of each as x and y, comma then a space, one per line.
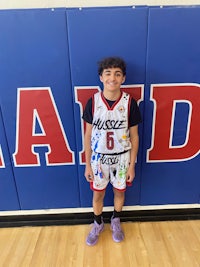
89, 177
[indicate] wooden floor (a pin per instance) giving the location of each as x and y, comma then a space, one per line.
157, 244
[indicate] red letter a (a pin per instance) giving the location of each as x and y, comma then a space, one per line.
38, 103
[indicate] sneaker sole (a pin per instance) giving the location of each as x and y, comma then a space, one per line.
117, 240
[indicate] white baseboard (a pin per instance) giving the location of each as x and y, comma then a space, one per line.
84, 210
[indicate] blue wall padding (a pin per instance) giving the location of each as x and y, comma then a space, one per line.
113, 33
56, 51
34, 52
8, 191
173, 56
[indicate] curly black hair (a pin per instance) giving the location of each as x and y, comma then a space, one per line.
112, 62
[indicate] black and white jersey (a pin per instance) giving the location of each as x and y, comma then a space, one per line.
110, 131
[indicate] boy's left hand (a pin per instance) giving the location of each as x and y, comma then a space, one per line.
130, 175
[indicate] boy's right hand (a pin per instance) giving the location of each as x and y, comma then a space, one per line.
89, 174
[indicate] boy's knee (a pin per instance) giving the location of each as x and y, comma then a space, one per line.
98, 196
118, 193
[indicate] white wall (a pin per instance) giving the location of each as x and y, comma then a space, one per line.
13, 4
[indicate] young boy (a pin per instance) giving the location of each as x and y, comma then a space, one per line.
111, 144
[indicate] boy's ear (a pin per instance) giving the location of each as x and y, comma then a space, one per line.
100, 77
124, 78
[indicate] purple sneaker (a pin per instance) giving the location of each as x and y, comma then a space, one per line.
117, 233
93, 236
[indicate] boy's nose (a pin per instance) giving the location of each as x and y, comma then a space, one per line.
112, 76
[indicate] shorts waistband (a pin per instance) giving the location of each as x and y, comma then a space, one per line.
115, 154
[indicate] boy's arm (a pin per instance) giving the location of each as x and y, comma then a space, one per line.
88, 152
134, 138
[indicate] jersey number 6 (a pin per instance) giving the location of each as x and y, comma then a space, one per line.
110, 140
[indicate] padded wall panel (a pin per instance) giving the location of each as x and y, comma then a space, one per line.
34, 54
8, 192
94, 34
49, 67
173, 59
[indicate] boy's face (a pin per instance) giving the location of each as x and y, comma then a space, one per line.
112, 78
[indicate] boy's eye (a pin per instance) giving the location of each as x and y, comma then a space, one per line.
116, 74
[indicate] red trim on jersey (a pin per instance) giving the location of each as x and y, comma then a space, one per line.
94, 189
123, 190
120, 190
106, 103
129, 184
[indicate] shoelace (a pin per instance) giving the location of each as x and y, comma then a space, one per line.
95, 230
116, 227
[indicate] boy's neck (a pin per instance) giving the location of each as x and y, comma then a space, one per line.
112, 96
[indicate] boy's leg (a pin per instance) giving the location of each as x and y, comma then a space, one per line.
98, 226
117, 234
97, 202
118, 200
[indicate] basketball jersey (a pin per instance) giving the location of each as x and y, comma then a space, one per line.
110, 131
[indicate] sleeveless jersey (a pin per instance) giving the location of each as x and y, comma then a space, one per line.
110, 131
